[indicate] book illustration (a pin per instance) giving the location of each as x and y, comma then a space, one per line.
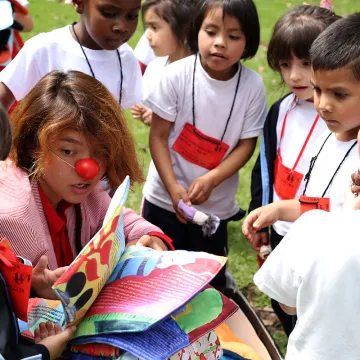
169, 336
150, 304
41, 310
206, 348
146, 286
82, 282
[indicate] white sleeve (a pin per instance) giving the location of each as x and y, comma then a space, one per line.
143, 51
23, 73
163, 98
279, 277
24, 3
132, 91
257, 110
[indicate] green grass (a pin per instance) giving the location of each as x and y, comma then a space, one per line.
51, 14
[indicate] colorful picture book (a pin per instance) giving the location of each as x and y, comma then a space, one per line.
136, 301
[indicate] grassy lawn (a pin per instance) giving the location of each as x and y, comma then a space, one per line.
51, 14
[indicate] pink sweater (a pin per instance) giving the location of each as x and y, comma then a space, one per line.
23, 222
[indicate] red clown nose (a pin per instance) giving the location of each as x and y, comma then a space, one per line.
87, 168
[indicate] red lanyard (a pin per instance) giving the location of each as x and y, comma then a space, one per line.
305, 143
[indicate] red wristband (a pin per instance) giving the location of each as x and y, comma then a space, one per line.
164, 238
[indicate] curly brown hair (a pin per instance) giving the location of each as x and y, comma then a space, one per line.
73, 100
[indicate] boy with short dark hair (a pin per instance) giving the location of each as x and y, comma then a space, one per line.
314, 272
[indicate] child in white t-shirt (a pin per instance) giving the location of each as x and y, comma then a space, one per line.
314, 272
166, 22
292, 126
208, 110
96, 45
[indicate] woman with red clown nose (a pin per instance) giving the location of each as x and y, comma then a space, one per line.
68, 134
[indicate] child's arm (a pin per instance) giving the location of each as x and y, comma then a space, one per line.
288, 309
159, 135
6, 96
25, 21
201, 188
284, 210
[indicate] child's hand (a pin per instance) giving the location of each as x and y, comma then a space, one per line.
258, 219
352, 199
259, 239
152, 242
53, 338
177, 192
137, 111
147, 117
43, 278
200, 189
141, 112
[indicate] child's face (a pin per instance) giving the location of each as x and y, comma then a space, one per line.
297, 74
221, 44
60, 181
337, 100
110, 23
161, 38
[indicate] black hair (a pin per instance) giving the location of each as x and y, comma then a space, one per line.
5, 134
177, 13
243, 10
295, 32
338, 46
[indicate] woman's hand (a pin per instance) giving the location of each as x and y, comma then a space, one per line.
43, 278
152, 242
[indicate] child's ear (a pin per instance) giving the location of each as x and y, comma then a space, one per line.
79, 6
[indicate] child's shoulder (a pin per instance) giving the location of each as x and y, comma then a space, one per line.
284, 102
48, 39
159, 63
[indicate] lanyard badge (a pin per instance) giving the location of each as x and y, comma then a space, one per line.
286, 180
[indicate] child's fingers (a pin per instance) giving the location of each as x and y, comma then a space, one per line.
57, 329
65, 335
50, 328
37, 337
42, 331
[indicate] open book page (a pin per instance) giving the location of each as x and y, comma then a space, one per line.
146, 287
185, 327
205, 348
82, 282
41, 310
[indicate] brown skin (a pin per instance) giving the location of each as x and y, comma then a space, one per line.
200, 189
106, 24
288, 309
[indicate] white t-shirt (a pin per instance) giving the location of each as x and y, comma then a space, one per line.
143, 51
153, 74
24, 3
298, 124
58, 50
172, 100
316, 268
325, 166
